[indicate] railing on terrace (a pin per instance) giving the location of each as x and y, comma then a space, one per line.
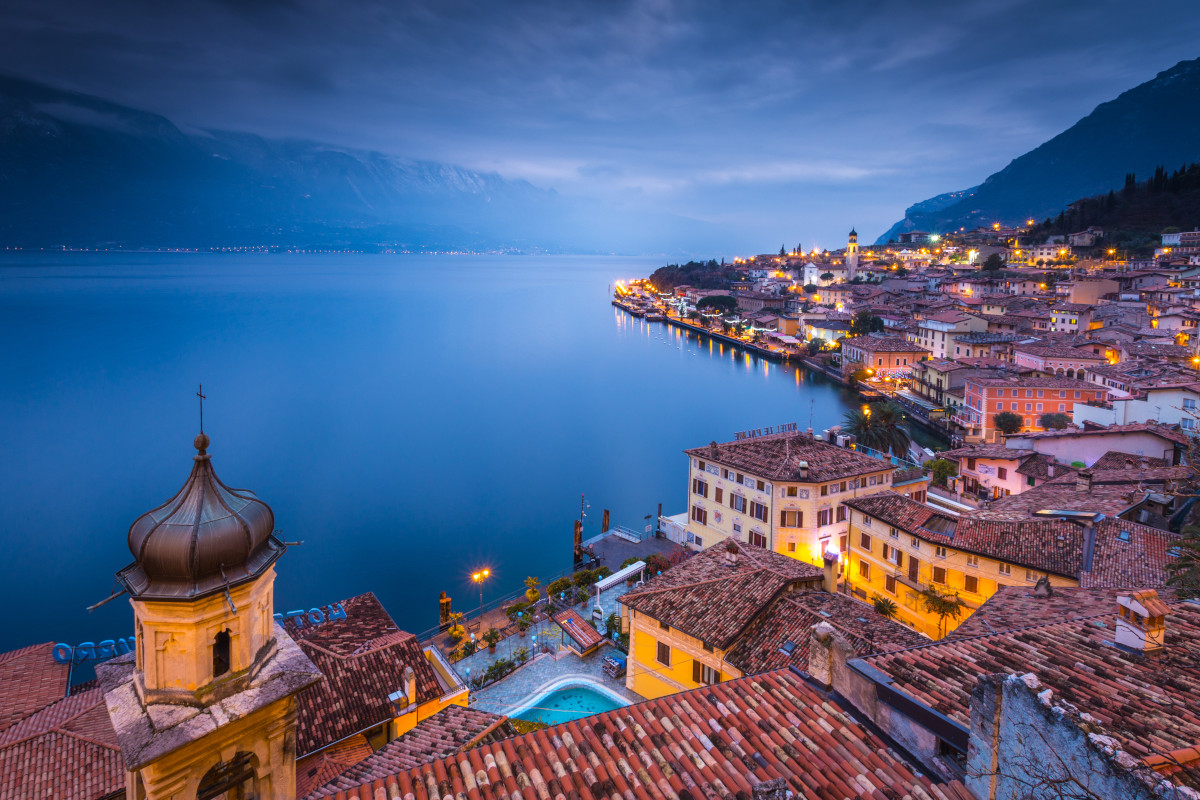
895, 460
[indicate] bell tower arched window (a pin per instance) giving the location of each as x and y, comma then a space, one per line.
221, 654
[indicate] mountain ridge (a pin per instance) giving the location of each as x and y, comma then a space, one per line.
79, 170
1146, 126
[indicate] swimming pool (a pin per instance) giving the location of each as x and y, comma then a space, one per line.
569, 703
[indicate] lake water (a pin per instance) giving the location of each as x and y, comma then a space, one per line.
409, 418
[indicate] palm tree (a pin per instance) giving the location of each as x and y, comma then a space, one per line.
532, 589
862, 425
886, 606
893, 436
942, 606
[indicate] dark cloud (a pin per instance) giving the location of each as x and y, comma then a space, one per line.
789, 118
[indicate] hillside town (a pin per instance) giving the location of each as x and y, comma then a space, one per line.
836, 613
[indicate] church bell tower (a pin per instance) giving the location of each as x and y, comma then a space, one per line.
205, 707
852, 255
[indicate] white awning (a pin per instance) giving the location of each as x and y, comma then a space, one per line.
620, 575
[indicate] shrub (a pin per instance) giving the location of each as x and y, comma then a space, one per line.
585, 577
601, 573
516, 608
628, 561
558, 586
491, 636
521, 655
656, 563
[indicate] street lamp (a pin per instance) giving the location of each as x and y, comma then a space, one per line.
480, 577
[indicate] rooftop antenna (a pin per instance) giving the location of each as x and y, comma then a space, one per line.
201, 395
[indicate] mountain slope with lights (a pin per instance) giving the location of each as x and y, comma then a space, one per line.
1151, 125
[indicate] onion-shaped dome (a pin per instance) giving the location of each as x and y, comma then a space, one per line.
205, 538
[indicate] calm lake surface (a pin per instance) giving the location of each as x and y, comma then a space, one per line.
409, 418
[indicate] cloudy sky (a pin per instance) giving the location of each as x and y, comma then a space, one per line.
764, 121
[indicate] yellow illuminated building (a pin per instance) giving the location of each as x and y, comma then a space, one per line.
784, 492
683, 624
899, 549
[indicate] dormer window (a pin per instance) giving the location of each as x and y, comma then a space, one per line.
221, 654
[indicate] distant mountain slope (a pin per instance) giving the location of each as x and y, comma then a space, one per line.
1153, 124
78, 170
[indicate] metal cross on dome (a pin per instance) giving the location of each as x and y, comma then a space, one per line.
202, 396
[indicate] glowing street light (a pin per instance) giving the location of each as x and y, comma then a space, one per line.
480, 577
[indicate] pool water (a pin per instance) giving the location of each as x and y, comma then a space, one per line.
568, 704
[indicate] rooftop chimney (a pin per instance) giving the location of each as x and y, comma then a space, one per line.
731, 553
1050, 470
712, 450
831, 558
1141, 621
1083, 481
803, 465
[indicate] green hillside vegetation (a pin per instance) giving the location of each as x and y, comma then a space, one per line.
701, 274
1134, 217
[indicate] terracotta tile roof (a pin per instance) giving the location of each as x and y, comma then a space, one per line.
1149, 704
30, 680
985, 450
67, 749
1128, 555
780, 637
718, 741
363, 658
1111, 492
778, 457
1013, 607
1035, 382
1115, 459
1040, 466
883, 344
318, 769
1124, 554
713, 600
1058, 351
578, 628
450, 731
1162, 431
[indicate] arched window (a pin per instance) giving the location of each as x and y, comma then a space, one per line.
230, 780
221, 654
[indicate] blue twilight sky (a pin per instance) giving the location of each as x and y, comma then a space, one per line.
764, 121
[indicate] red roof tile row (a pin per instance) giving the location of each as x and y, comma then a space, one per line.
717, 742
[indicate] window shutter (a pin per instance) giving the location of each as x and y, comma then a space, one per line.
783, 519
696, 671
899, 558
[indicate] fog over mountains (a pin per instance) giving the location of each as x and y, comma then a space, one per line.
1154, 124
80, 171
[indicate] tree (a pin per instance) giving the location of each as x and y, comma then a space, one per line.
941, 470
783, 249
1007, 422
826, 276
1055, 421
993, 263
533, 588
810, 288
886, 607
720, 303
864, 322
948, 606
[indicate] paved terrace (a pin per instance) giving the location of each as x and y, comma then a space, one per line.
527, 680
